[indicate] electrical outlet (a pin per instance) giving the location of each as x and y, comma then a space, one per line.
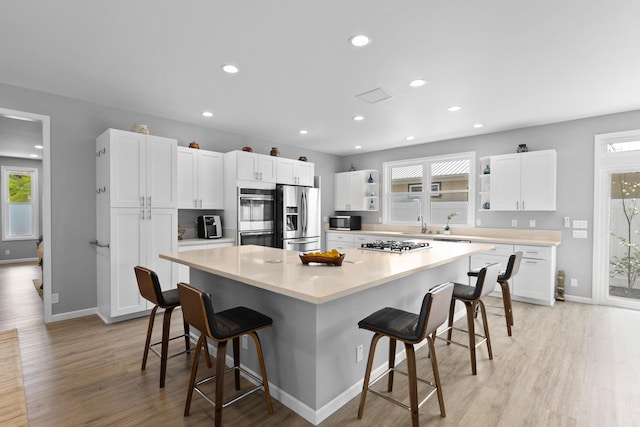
580, 224
532, 223
359, 353
478, 221
567, 222
7, 252
574, 282
245, 341
54, 298
514, 222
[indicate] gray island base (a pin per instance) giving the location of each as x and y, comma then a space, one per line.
310, 352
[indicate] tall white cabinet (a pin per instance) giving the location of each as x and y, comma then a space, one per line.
137, 217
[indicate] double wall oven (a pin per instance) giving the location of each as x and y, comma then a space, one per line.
256, 216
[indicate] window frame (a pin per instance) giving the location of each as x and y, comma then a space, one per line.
5, 171
427, 184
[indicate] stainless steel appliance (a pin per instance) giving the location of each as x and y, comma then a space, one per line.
256, 213
395, 246
297, 218
209, 227
345, 222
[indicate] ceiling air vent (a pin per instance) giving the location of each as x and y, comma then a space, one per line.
373, 96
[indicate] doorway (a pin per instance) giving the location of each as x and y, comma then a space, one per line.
617, 219
45, 121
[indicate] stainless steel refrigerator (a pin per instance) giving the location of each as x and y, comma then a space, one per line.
298, 218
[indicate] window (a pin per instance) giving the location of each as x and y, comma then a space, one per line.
19, 203
447, 178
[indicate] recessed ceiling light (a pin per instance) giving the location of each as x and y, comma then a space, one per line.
231, 69
304, 132
359, 40
357, 147
39, 147
478, 125
410, 138
358, 118
454, 108
417, 82
207, 113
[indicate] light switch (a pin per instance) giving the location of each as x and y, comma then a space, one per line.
582, 224
579, 234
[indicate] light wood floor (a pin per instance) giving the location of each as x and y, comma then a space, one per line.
570, 365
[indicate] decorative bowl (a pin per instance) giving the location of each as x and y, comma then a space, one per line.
306, 259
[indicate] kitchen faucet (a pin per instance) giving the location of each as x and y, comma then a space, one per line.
424, 225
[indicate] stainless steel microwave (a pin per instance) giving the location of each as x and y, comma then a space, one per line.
345, 222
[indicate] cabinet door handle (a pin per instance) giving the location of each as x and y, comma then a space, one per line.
523, 205
149, 200
100, 152
200, 202
195, 203
142, 214
149, 214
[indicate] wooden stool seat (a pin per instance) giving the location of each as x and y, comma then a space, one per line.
222, 327
503, 280
150, 289
400, 325
471, 297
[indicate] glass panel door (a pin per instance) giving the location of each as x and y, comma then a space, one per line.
624, 243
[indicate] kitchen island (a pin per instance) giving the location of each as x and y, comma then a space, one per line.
310, 352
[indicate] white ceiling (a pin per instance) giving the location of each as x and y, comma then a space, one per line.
507, 63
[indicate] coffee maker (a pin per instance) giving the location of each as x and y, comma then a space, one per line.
209, 227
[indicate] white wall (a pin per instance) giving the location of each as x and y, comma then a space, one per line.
574, 142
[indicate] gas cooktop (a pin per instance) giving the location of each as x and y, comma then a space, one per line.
395, 246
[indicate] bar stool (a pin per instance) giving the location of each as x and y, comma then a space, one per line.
471, 297
231, 324
503, 279
410, 329
149, 286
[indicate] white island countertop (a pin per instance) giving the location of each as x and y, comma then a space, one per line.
282, 272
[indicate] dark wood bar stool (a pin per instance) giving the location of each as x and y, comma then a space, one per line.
471, 297
503, 279
411, 329
150, 289
231, 324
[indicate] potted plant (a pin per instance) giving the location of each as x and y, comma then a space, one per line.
447, 229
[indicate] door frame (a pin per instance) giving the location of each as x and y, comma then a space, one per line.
604, 165
46, 201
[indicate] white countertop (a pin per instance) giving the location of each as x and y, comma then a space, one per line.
481, 235
281, 271
194, 242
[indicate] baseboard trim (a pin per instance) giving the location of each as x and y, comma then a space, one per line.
18, 261
582, 300
74, 314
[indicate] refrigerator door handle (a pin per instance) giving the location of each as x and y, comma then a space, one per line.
302, 242
303, 211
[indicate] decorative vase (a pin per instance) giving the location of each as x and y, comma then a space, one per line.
140, 128
522, 148
370, 180
194, 145
303, 158
447, 231
352, 167
247, 149
275, 151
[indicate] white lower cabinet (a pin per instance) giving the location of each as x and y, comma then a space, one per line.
535, 280
536, 277
339, 241
136, 237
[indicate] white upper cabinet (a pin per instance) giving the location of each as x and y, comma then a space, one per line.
294, 172
524, 181
200, 179
253, 167
356, 191
142, 169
